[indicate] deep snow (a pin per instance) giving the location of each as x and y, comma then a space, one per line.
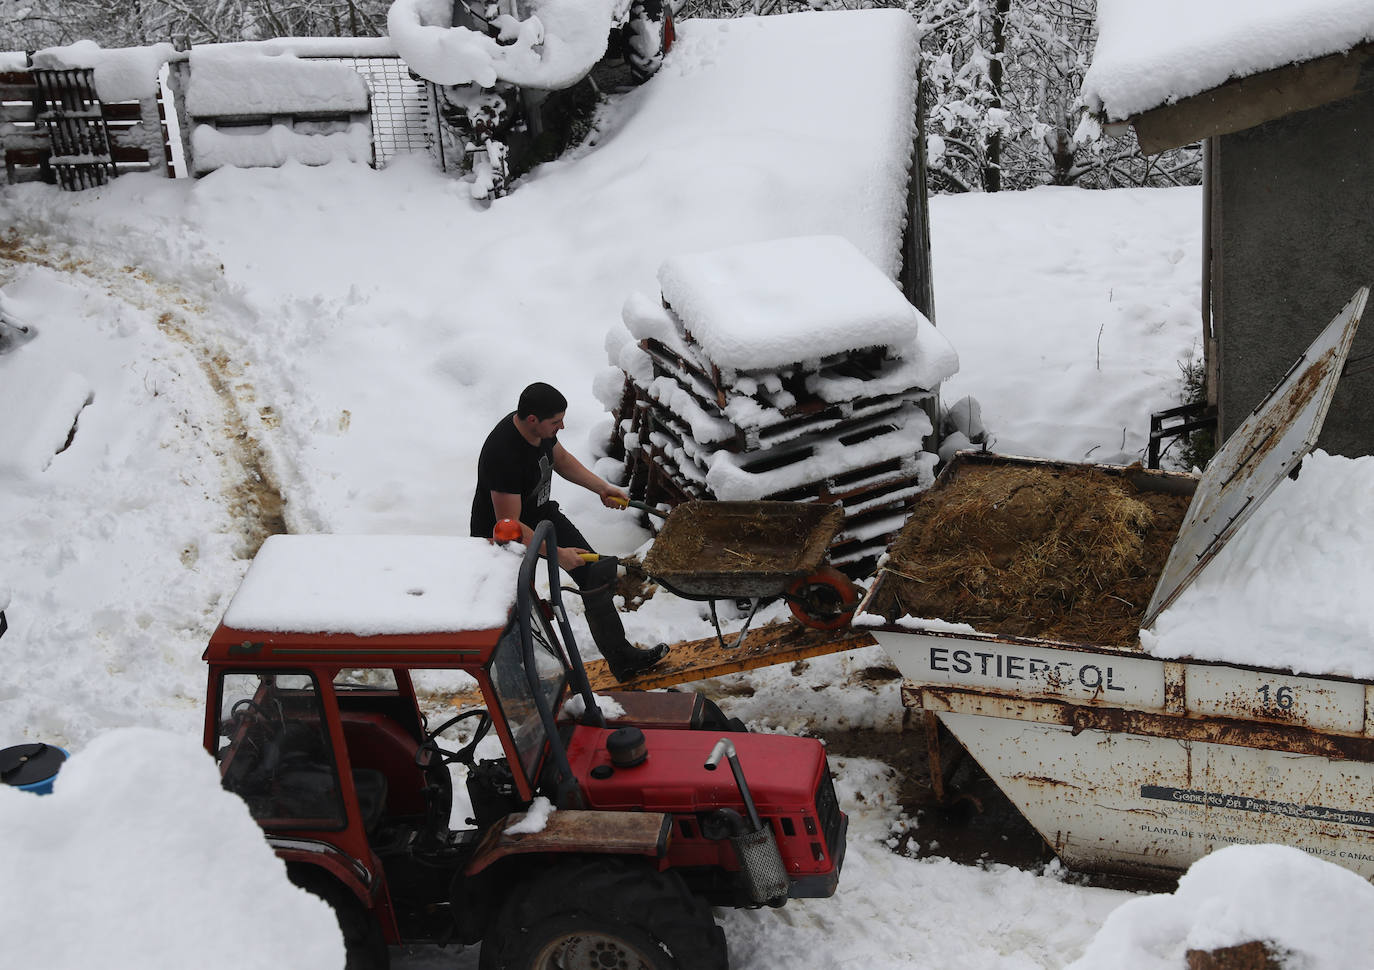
352, 335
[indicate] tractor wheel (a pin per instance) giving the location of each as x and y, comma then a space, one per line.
647, 35
599, 914
364, 944
825, 600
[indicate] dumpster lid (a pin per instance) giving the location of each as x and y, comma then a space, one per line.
1273, 441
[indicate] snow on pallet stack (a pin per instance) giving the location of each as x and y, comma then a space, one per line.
793, 370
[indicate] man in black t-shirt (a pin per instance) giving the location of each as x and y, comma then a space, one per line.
514, 474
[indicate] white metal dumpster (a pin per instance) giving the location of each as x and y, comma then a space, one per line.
1129, 763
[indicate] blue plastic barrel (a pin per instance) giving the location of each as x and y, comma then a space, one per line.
31, 767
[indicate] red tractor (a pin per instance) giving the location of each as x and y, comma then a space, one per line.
314, 719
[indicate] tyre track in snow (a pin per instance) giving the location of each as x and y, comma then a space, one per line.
250, 485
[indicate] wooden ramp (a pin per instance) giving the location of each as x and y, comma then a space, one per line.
693, 660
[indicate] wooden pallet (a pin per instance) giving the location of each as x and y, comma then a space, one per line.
768, 420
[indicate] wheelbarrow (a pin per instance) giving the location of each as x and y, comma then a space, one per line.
754, 551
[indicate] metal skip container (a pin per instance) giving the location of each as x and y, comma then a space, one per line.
1125, 762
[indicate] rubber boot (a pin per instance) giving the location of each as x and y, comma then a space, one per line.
623, 657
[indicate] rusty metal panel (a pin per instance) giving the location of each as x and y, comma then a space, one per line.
1329, 705
1081, 717
1266, 447
1027, 668
1113, 801
572, 830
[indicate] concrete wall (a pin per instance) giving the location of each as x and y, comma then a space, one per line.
1293, 227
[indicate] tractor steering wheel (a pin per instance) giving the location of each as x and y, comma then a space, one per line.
448, 756
247, 711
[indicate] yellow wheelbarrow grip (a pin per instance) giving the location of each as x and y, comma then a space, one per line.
642, 506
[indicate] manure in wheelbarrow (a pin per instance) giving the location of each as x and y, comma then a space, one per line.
766, 541
741, 543
1055, 552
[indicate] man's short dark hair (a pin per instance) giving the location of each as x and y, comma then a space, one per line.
541, 400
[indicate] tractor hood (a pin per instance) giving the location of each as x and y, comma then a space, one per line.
783, 772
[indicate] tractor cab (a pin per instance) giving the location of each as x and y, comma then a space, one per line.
342, 678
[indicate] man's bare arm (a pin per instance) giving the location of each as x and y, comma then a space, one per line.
507, 506
572, 470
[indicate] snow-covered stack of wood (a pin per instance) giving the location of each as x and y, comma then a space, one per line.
792, 369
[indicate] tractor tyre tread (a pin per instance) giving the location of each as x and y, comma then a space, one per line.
363, 941
611, 897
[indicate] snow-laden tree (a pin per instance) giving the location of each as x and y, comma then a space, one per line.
1002, 98
30, 24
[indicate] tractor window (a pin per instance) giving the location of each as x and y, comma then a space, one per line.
366, 678
514, 695
274, 750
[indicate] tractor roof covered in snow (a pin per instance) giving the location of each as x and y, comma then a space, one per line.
443, 594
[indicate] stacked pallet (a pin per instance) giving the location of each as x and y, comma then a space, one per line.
791, 370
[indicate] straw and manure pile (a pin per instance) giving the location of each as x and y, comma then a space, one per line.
1056, 552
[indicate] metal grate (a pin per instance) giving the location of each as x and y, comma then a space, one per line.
832, 820
70, 110
400, 106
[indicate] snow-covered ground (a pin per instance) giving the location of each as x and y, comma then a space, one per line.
343, 339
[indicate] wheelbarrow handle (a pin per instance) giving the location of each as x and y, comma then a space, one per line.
642, 506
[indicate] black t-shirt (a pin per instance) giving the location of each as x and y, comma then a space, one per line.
508, 463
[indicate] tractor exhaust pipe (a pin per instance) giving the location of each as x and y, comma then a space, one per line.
725, 748
765, 876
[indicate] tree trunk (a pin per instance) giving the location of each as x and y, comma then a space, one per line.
992, 165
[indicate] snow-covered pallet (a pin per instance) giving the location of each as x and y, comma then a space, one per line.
791, 370
874, 497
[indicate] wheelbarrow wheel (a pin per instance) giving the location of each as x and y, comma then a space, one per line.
825, 600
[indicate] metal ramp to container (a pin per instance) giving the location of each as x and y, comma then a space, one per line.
70, 110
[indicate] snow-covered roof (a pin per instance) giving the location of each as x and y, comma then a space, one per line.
239, 79
1156, 53
375, 585
765, 305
